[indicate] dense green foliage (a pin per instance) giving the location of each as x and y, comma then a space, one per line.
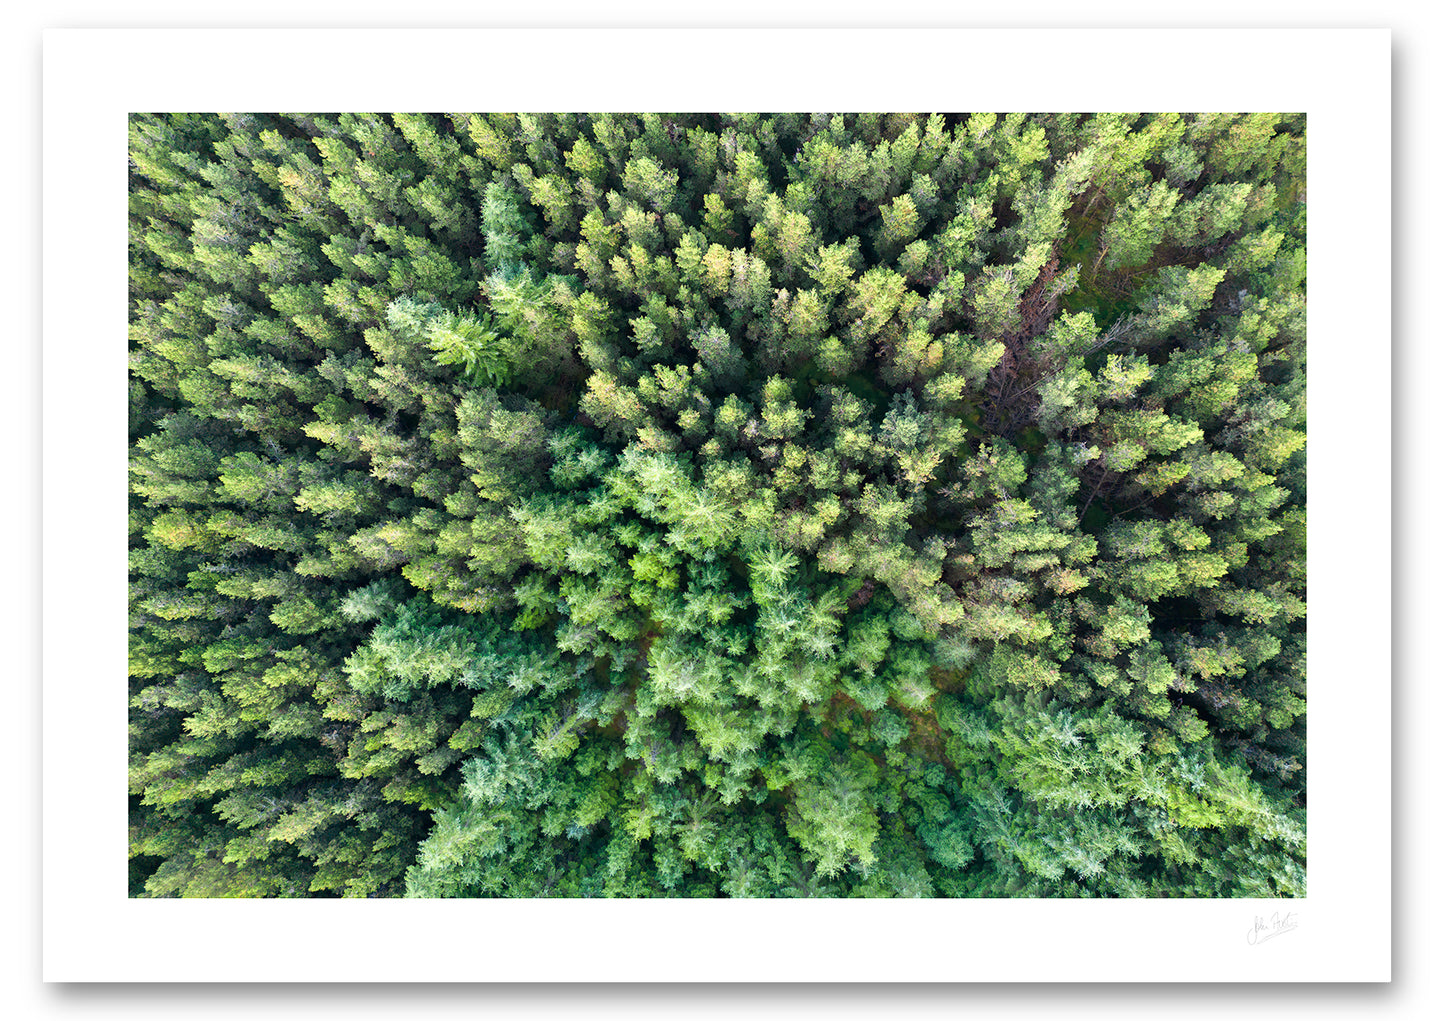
754, 505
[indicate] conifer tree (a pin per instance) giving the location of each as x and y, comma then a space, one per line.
535, 504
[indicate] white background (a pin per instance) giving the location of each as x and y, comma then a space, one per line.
994, 941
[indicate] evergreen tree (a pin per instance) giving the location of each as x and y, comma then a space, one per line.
764, 505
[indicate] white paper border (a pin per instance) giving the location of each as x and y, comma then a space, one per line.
93, 78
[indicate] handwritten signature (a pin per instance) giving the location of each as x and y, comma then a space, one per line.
1278, 924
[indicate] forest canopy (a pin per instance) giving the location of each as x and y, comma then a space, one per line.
752, 505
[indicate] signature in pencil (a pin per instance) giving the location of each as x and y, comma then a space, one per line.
1277, 925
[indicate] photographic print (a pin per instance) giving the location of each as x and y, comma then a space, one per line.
595, 510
